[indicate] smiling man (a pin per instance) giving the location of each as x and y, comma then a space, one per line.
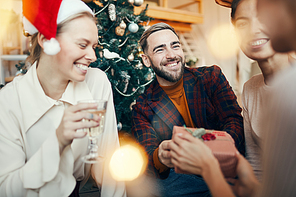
195, 97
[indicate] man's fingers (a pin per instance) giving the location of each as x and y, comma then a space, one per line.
165, 145
165, 154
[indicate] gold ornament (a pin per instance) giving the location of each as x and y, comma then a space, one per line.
119, 31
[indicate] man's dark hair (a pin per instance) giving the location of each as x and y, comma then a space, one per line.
154, 28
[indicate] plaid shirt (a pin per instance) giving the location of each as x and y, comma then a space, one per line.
211, 102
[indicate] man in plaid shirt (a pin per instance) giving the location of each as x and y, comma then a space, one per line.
195, 97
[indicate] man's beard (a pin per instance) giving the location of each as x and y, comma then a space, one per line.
160, 72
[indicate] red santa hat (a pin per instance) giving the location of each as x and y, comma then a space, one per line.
44, 15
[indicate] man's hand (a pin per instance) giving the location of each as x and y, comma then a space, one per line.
164, 154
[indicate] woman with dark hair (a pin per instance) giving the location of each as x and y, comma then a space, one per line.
256, 45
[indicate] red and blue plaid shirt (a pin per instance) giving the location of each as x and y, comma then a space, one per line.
211, 102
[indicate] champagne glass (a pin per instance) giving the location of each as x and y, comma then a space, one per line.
94, 132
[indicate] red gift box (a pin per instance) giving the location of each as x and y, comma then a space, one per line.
223, 148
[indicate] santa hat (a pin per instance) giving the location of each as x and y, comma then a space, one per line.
44, 15
225, 3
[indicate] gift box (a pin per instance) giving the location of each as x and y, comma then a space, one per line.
221, 144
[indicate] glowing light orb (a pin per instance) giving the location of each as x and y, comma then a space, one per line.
222, 42
127, 163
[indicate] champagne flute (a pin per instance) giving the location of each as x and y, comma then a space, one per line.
94, 132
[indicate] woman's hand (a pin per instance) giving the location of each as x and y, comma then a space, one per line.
246, 184
73, 120
191, 154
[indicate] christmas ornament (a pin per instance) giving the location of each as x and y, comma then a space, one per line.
131, 57
133, 27
131, 1
138, 2
112, 12
139, 65
111, 55
126, 78
119, 126
119, 30
122, 25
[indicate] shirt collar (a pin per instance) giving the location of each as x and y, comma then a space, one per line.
35, 103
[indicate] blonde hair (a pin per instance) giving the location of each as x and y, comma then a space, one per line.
35, 48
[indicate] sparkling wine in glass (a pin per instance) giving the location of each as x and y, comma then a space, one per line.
94, 132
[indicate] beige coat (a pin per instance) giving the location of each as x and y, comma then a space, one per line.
30, 163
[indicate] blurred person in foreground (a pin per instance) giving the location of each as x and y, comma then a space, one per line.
41, 149
279, 172
256, 45
195, 97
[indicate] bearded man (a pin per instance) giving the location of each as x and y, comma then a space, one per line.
195, 97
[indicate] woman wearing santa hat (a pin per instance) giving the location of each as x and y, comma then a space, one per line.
40, 148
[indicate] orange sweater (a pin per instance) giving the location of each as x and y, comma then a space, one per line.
177, 95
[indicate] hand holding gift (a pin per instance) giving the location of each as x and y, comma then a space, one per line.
190, 155
194, 154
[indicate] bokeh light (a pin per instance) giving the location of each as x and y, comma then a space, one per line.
222, 41
9, 21
127, 163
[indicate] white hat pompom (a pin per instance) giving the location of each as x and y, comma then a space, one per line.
51, 47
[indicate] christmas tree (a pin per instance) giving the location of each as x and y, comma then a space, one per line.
119, 53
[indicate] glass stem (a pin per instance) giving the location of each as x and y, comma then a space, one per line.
93, 147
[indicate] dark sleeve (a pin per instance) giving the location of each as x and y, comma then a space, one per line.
143, 131
226, 107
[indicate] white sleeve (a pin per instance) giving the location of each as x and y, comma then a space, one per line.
108, 141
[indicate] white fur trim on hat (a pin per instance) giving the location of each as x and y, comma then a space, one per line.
51, 47
71, 7
28, 27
